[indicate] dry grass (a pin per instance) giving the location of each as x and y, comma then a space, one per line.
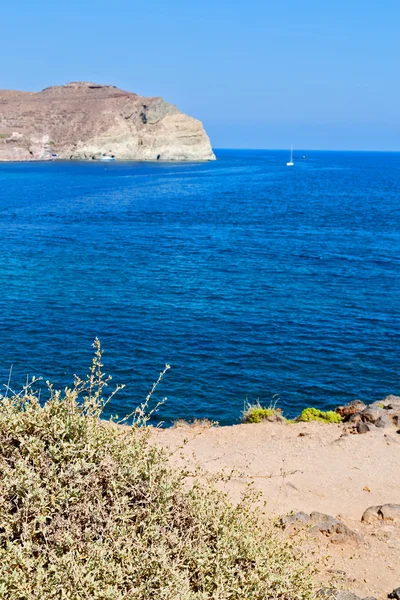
89, 510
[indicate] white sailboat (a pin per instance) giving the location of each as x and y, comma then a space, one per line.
290, 163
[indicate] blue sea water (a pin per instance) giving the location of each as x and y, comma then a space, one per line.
252, 279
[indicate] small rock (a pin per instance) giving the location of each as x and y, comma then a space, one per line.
299, 518
350, 409
332, 528
390, 512
371, 515
355, 418
389, 403
385, 512
277, 418
391, 408
382, 422
363, 427
346, 596
371, 415
317, 517
336, 532
395, 594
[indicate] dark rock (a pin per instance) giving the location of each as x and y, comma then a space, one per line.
391, 408
337, 532
363, 427
332, 528
395, 594
355, 419
326, 525
371, 414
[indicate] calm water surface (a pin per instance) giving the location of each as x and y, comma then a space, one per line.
250, 278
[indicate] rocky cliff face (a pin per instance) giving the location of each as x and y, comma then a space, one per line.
88, 121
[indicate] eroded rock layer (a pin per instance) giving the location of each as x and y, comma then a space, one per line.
91, 121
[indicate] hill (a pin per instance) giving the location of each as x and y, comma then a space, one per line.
88, 121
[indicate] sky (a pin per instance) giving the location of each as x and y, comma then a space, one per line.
258, 73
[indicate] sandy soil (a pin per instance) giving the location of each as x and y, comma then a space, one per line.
312, 467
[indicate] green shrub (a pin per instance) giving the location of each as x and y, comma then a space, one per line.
313, 414
257, 414
92, 510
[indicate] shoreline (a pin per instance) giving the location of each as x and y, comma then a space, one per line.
309, 467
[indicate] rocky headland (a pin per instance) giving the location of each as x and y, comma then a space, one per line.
86, 121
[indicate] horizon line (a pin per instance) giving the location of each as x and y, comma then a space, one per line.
215, 148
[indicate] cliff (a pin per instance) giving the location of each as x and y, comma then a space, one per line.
87, 121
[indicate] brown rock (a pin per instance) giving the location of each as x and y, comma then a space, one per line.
363, 427
356, 418
85, 120
351, 408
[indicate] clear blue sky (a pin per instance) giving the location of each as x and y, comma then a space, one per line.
259, 73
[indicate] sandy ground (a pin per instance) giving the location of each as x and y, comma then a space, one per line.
312, 467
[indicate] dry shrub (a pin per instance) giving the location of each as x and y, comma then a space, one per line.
90, 510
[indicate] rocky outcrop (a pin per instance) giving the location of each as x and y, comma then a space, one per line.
90, 121
319, 524
360, 418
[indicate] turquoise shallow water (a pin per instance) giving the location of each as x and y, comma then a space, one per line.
250, 278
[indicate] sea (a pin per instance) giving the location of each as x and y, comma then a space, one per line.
256, 282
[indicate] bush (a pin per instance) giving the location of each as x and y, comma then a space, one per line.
92, 510
255, 413
313, 414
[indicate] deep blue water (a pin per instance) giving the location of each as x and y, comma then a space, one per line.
250, 278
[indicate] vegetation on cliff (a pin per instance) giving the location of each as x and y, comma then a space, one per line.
314, 414
89, 509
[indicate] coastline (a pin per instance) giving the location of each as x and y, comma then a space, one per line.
309, 467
